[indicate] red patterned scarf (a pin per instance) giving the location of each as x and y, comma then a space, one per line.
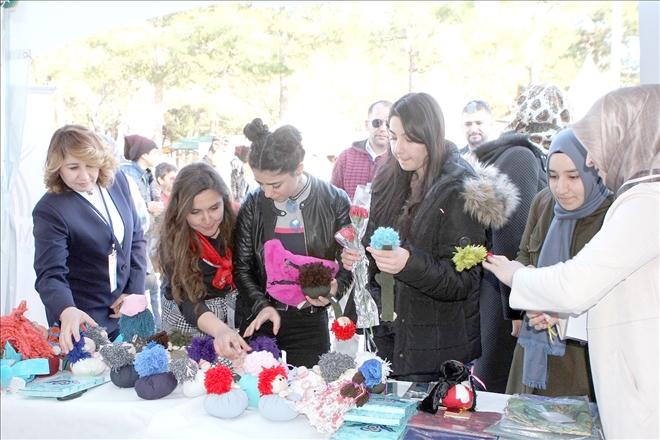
223, 274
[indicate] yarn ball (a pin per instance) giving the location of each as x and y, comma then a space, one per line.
118, 354
184, 369
277, 409
268, 376
249, 384
264, 343
133, 304
343, 328
257, 360
228, 405
141, 325
124, 377
23, 336
179, 338
385, 236
334, 364
77, 353
160, 338
218, 380
201, 348
151, 360
92, 366
155, 386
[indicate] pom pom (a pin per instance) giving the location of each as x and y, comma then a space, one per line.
78, 354
258, 360
201, 348
218, 380
469, 256
151, 360
141, 325
118, 354
343, 328
161, 338
24, 337
385, 238
334, 364
133, 304
184, 369
99, 335
267, 377
372, 372
314, 275
179, 338
264, 343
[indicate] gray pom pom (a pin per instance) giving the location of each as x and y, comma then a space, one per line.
99, 335
333, 364
117, 354
184, 369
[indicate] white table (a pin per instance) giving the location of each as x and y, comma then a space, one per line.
110, 412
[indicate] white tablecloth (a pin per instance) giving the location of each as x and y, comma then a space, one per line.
110, 412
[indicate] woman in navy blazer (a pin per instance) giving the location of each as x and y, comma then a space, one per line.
89, 248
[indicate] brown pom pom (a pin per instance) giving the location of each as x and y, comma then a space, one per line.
160, 338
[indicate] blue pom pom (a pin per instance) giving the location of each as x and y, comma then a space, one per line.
151, 360
141, 325
77, 354
385, 236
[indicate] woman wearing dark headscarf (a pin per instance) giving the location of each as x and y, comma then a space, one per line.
541, 112
563, 218
616, 277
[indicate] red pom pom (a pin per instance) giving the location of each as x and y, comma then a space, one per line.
218, 380
343, 332
266, 378
459, 396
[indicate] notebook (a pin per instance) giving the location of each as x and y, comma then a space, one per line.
61, 386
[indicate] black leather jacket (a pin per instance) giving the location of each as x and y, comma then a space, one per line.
324, 212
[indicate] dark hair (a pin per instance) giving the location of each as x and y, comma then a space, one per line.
476, 105
279, 152
424, 123
179, 247
387, 104
162, 169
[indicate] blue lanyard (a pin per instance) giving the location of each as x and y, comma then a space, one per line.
109, 222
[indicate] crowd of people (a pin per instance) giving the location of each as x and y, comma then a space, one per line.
565, 304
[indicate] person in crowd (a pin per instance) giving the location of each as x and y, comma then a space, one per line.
218, 157
436, 202
89, 248
562, 219
615, 277
477, 124
358, 164
303, 213
541, 112
142, 154
195, 257
242, 178
165, 174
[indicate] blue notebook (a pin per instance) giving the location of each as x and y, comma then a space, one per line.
61, 386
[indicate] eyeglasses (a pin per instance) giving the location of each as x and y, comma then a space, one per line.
377, 123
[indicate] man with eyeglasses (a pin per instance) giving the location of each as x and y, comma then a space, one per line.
359, 164
477, 123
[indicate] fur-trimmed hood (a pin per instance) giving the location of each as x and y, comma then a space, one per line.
491, 198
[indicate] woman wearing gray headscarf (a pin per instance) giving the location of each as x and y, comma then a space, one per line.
616, 277
563, 218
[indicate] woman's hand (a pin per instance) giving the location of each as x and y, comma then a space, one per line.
70, 320
516, 325
228, 343
322, 301
390, 261
349, 258
116, 306
502, 268
266, 314
542, 320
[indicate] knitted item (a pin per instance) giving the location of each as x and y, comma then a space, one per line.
22, 335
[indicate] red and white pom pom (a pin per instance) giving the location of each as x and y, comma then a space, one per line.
343, 328
460, 396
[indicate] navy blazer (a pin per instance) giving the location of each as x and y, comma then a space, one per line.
72, 245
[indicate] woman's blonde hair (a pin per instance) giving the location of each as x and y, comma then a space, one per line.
85, 145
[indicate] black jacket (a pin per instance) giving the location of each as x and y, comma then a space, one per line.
437, 307
324, 212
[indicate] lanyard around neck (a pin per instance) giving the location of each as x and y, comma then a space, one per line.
109, 221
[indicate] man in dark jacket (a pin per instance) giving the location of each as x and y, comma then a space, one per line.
358, 164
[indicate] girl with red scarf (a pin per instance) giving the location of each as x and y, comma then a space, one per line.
194, 252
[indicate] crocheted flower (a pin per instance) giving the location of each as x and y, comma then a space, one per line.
385, 238
469, 256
